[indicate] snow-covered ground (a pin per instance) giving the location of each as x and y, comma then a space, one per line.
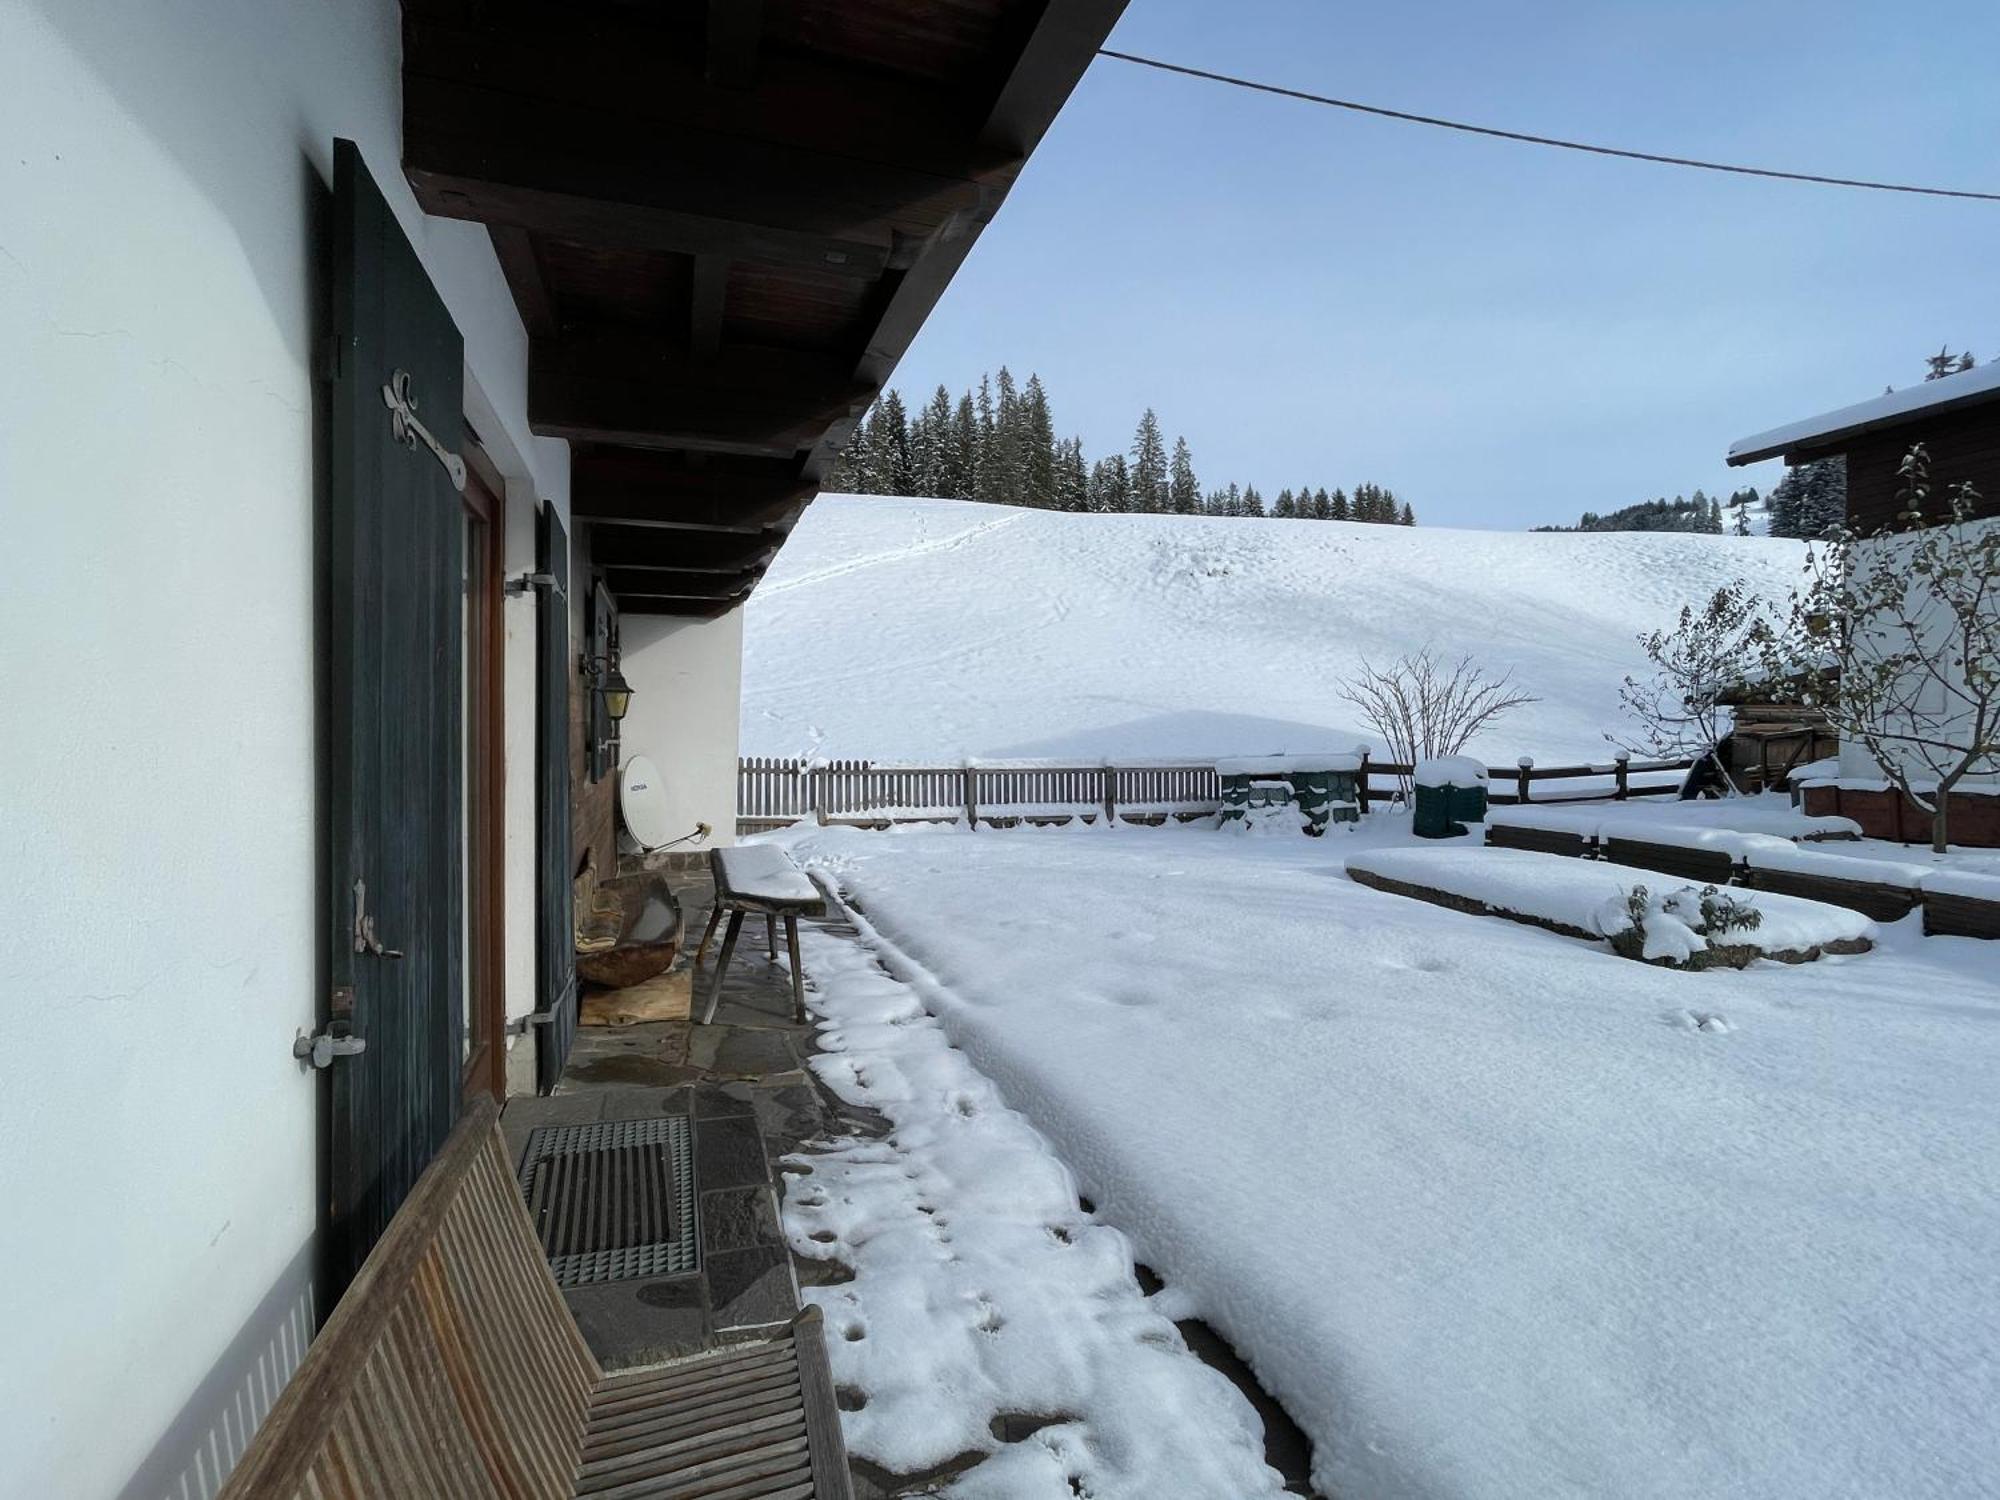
982, 1289
923, 630
1492, 1212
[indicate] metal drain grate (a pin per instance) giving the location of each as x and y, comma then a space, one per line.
613, 1201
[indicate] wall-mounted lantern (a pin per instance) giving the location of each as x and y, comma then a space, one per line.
609, 683
617, 691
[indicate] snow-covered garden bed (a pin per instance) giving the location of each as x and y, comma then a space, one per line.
1768, 816
1491, 1212
1668, 923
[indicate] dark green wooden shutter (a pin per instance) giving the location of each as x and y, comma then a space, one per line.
395, 774
555, 922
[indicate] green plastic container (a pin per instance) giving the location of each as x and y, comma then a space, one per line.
1450, 793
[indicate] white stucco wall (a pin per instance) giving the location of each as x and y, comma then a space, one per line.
687, 692
162, 188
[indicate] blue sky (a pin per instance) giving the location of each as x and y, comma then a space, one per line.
1504, 334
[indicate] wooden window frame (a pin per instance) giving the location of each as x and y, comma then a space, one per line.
485, 1069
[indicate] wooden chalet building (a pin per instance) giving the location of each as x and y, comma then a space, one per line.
380, 380
1957, 419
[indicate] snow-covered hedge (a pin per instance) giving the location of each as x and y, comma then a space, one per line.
1582, 898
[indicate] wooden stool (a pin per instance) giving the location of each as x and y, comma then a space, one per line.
758, 878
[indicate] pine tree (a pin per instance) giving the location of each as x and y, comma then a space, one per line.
1004, 474
1334, 508
1110, 486
889, 446
1038, 446
1783, 507
1072, 477
1408, 517
1149, 465
1232, 500
854, 474
1284, 505
1253, 503
1183, 493
985, 483
963, 469
1823, 503
930, 445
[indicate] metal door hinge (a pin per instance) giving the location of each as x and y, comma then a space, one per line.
321, 1048
527, 581
407, 430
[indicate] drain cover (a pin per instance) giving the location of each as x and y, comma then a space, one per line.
614, 1201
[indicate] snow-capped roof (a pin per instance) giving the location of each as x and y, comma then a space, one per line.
1981, 383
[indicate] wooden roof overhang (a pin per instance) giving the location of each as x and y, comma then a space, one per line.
1910, 409
723, 223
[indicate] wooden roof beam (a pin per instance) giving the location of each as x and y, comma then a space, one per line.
734, 28
632, 226
666, 490
681, 585
646, 393
467, 149
681, 551
694, 609
1045, 72
710, 293
522, 267
628, 73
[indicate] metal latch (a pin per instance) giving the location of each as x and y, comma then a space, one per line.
338, 1040
365, 940
406, 429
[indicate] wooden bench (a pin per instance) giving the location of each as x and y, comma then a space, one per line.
452, 1370
759, 878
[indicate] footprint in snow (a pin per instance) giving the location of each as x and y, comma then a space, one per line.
1700, 1020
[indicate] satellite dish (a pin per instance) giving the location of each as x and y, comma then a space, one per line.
642, 801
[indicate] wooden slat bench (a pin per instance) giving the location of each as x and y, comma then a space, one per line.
452, 1370
759, 878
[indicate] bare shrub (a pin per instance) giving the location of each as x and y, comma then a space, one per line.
1423, 706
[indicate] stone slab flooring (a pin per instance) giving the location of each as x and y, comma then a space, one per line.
743, 1084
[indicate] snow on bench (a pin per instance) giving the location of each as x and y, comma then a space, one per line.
1586, 899
763, 874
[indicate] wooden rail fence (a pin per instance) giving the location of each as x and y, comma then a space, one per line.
773, 792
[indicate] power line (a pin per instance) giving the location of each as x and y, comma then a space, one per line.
1538, 140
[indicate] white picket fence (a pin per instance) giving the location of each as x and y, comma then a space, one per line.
773, 792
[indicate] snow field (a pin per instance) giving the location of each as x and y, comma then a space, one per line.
1493, 1212
981, 1288
932, 630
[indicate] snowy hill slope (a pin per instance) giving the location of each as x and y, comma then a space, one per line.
918, 630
